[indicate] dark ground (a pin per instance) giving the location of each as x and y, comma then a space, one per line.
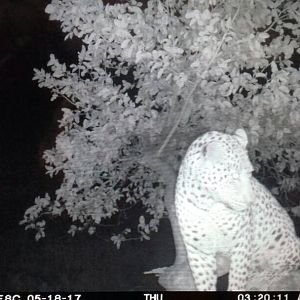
27, 127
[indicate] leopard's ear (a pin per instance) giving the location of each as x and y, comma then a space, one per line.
213, 152
241, 136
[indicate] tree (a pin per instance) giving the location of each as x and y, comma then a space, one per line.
150, 79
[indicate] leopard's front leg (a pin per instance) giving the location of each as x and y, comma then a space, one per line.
200, 243
204, 269
241, 258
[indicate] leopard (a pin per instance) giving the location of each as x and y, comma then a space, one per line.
229, 221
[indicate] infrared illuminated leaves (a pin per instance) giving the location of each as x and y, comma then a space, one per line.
203, 65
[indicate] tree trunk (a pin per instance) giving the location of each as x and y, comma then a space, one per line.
178, 276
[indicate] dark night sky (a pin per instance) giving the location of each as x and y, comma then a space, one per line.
27, 38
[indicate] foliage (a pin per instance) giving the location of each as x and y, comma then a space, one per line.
151, 74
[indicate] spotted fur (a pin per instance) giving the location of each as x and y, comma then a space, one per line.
225, 214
